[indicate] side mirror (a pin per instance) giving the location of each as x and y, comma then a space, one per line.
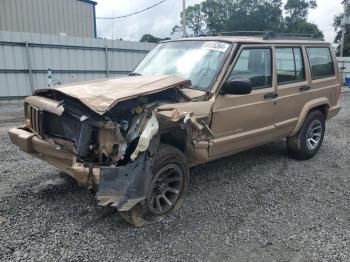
237, 87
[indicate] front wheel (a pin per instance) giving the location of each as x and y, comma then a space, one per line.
308, 141
166, 190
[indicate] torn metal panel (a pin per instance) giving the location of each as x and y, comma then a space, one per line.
148, 133
175, 115
200, 109
111, 142
124, 186
138, 123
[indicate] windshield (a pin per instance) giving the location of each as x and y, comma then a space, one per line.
198, 61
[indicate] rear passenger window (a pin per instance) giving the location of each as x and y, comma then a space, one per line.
290, 65
321, 62
254, 64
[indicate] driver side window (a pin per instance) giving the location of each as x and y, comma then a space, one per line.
254, 64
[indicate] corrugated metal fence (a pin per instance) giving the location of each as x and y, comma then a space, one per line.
25, 60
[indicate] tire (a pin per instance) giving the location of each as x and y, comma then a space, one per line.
168, 166
308, 141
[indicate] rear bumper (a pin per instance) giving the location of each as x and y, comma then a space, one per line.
333, 111
64, 161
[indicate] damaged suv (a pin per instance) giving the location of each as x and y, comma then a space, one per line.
133, 139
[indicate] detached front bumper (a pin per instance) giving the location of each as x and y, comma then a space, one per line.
64, 161
122, 187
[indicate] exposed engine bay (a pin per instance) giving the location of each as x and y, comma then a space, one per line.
109, 139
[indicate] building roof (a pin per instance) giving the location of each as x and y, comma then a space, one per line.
89, 2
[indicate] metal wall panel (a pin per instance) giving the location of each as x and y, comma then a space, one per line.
71, 59
344, 67
72, 17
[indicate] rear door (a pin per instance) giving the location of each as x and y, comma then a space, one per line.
293, 85
303, 73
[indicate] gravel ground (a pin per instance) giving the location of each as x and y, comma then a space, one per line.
259, 205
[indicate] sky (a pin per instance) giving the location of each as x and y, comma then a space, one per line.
160, 20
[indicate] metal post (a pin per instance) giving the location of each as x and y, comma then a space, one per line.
106, 60
29, 67
184, 34
343, 28
342, 73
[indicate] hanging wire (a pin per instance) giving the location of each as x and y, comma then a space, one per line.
160, 28
135, 13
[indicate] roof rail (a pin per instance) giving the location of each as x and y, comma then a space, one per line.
245, 33
209, 34
272, 36
268, 35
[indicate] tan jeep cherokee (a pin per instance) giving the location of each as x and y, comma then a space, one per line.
190, 101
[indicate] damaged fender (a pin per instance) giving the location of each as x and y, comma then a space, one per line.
124, 186
200, 129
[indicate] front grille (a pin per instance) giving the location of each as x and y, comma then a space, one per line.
35, 116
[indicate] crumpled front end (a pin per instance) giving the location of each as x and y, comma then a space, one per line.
110, 152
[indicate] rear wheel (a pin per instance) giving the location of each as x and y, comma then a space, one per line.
166, 190
308, 141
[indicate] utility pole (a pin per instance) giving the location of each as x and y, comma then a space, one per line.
184, 34
343, 27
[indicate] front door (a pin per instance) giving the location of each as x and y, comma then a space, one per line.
240, 122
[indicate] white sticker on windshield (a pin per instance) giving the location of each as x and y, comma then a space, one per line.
217, 46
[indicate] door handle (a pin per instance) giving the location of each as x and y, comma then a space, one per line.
304, 88
270, 95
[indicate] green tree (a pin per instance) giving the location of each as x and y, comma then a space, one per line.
297, 10
152, 39
217, 16
194, 20
296, 17
337, 24
256, 15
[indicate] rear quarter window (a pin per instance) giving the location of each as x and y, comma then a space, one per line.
321, 62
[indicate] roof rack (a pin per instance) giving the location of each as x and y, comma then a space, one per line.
209, 34
245, 33
272, 36
268, 35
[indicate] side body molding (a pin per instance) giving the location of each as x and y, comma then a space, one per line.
306, 109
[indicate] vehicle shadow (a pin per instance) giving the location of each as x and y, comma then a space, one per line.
81, 205
239, 164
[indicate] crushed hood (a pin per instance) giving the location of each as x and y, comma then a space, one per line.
102, 95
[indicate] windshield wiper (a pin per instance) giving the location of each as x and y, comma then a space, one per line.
134, 74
